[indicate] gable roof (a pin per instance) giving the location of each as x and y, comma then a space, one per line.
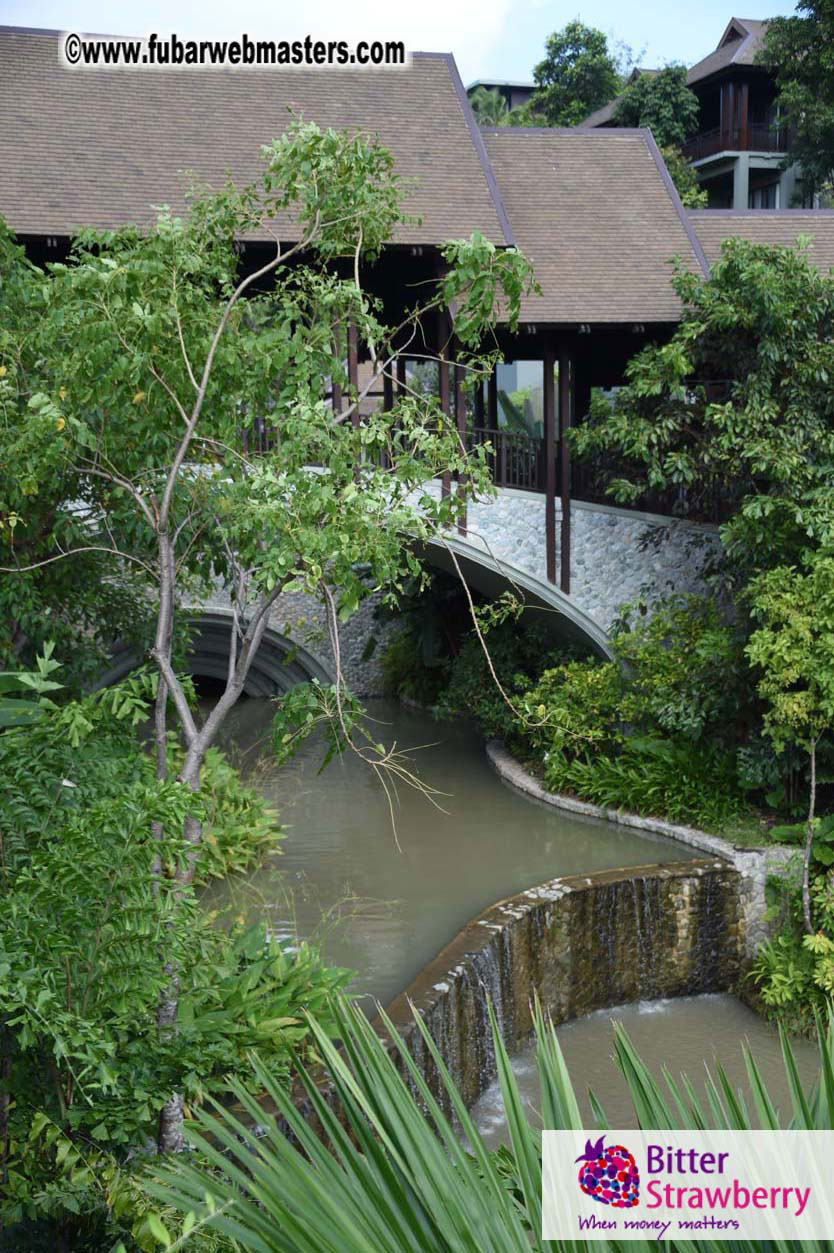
741, 41
767, 226
597, 214
99, 147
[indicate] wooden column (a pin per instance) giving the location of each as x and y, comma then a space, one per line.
743, 110
565, 406
492, 400
445, 397
387, 405
400, 376
549, 414
353, 369
460, 417
480, 419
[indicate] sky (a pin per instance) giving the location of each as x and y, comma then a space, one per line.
491, 39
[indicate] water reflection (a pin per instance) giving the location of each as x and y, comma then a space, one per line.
383, 911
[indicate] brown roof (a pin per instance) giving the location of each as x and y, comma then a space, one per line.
730, 51
767, 226
598, 215
99, 147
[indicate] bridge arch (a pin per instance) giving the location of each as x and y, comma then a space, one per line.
278, 665
491, 576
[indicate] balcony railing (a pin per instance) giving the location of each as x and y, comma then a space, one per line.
760, 137
515, 459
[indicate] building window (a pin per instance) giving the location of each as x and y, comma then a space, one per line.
766, 197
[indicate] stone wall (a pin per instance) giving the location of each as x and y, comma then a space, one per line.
617, 555
301, 618
754, 865
580, 944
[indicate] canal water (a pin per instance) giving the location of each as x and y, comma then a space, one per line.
383, 902
685, 1035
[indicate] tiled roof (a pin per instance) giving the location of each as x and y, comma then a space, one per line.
598, 216
767, 226
99, 147
741, 51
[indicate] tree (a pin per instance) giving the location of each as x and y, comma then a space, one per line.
83, 1070
793, 648
798, 51
685, 179
736, 405
45, 508
577, 75
162, 354
489, 106
491, 109
663, 103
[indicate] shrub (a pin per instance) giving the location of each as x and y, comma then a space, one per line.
662, 778
93, 922
517, 652
573, 709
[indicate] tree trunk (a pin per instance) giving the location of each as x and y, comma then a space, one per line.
809, 839
161, 750
170, 1138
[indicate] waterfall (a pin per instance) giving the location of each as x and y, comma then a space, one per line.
578, 944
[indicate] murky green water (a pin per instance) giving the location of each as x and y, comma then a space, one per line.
685, 1035
385, 910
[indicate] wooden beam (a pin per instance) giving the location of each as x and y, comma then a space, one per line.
492, 400
460, 417
479, 406
565, 405
549, 407
743, 110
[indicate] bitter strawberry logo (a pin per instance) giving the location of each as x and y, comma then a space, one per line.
609, 1175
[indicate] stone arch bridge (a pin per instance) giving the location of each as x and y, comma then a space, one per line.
617, 556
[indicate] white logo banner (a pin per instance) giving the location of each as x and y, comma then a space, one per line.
688, 1185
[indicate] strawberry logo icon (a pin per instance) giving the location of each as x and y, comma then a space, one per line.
609, 1175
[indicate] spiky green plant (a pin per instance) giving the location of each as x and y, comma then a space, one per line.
399, 1179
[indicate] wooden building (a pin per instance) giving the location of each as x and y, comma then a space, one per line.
594, 209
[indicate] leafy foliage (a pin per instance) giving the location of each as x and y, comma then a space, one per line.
401, 1178
577, 75
737, 403
683, 175
92, 912
797, 50
44, 507
793, 649
652, 731
663, 103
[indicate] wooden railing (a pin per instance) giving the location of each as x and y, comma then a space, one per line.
515, 458
760, 137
